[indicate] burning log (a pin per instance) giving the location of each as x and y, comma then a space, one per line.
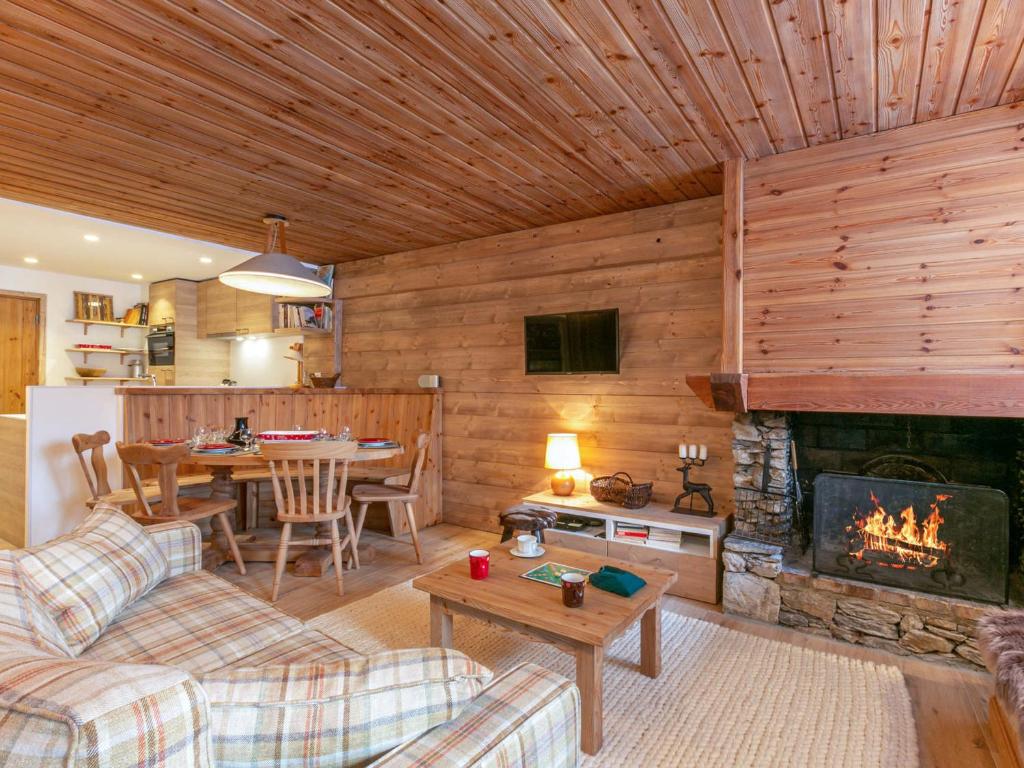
906, 544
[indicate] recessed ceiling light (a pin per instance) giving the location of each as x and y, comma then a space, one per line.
136, 276
91, 238
31, 260
205, 260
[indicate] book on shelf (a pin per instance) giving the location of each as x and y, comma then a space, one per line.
630, 531
665, 536
319, 316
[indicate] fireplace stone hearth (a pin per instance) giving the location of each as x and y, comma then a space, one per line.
767, 583
776, 583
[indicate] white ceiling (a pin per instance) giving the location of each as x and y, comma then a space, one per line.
56, 239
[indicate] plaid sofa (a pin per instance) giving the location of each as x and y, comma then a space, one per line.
196, 672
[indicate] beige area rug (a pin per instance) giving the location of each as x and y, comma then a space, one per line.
724, 698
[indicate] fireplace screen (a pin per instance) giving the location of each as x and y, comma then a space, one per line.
947, 539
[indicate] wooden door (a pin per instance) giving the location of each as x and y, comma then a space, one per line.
19, 350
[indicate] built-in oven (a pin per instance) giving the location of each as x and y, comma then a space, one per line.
160, 342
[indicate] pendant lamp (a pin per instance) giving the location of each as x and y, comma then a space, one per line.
274, 271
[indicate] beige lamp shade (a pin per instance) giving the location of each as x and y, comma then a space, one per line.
275, 272
563, 452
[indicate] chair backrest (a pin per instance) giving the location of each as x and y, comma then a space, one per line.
418, 460
99, 483
166, 459
292, 464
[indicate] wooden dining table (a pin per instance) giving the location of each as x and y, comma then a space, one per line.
227, 469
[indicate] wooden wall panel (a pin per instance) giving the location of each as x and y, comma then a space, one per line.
458, 311
400, 415
905, 252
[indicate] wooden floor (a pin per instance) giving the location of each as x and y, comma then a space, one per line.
949, 703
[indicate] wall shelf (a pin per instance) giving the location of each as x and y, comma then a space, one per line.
303, 331
109, 323
112, 351
120, 379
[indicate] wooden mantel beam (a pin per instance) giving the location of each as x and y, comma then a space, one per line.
732, 266
937, 394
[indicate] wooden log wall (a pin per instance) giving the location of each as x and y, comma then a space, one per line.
457, 311
398, 414
900, 251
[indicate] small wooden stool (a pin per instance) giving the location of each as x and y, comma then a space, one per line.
523, 517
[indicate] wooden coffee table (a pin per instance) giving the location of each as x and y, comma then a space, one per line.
510, 601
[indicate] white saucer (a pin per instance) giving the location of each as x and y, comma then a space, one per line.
517, 553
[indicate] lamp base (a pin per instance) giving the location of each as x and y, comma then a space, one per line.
562, 484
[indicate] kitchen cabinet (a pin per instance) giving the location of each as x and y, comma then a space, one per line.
226, 311
216, 309
254, 312
162, 302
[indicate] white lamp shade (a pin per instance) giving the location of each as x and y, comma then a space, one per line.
277, 274
563, 452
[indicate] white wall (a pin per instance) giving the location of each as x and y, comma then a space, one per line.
60, 334
260, 362
55, 488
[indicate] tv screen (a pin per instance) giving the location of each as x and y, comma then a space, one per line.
573, 342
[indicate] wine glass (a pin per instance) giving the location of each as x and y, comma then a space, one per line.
345, 434
323, 434
202, 436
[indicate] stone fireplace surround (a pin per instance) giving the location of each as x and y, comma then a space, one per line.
775, 583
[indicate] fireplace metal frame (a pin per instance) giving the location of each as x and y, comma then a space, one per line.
827, 549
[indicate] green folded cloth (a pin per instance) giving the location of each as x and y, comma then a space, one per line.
617, 581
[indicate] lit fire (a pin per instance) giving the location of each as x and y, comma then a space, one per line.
907, 544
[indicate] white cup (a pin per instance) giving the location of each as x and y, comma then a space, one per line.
527, 544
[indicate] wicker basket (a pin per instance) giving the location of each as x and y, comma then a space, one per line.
620, 489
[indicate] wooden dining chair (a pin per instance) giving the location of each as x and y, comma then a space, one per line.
97, 477
172, 507
393, 495
323, 464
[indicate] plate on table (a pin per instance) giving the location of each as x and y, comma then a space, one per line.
377, 442
216, 448
516, 553
286, 434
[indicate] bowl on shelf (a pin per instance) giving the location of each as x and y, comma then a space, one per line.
323, 380
89, 373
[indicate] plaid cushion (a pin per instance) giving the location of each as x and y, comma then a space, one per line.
67, 712
181, 544
195, 621
529, 716
24, 625
307, 647
87, 577
341, 712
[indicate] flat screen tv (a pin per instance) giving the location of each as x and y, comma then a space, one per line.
573, 342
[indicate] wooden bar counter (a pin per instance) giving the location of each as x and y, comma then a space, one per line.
397, 414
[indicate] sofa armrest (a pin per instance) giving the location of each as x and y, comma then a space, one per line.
528, 717
182, 545
69, 712
347, 712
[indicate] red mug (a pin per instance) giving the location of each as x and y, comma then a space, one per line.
479, 564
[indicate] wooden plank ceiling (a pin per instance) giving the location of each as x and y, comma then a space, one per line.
385, 126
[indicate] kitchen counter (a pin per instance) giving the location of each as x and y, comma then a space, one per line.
221, 390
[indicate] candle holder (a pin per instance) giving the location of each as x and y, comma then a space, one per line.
690, 489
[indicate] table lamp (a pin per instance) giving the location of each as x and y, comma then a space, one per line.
563, 454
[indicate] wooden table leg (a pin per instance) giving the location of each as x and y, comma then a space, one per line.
441, 624
590, 681
221, 487
650, 641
